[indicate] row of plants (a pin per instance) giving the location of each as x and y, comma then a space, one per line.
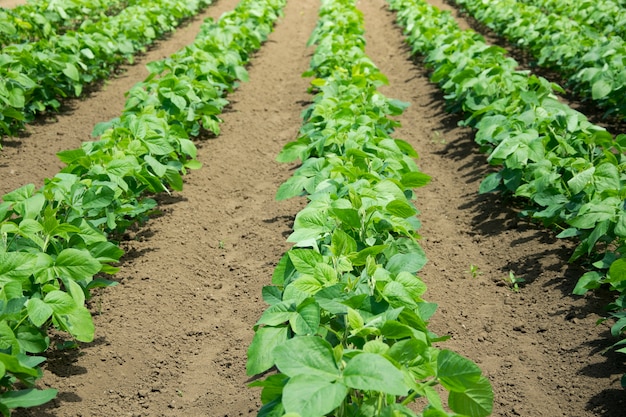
570, 171
43, 18
35, 76
606, 16
57, 243
347, 326
593, 64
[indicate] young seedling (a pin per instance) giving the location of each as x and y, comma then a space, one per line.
513, 281
474, 271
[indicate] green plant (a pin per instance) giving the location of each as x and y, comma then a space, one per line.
346, 325
513, 282
474, 271
54, 241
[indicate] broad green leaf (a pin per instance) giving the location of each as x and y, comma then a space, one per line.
76, 264
342, 243
305, 260
355, 321
400, 208
398, 296
408, 262
14, 365
306, 321
69, 316
579, 181
360, 258
72, 72
60, 302
310, 396
31, 339
455, 372
475, 401
414, 179
371, 372
490, 183
260, 357
307, 284
617, 271
38, 311
98, 197
27, 398
272, 387
8, 341
277, 314
307, 355
16, 265
405, 351
271, 294
600, 89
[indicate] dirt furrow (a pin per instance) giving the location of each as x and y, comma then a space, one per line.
539, 345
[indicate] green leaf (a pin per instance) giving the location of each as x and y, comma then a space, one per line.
260, 357
355, 321
400, 208
342, 243
309, 396
306, 321
307, 355
475, 401
38, 311
414, 179
368, 371
27, 398
617, 271
305, 260
589, 281
16, 266
8, 341
455, 372
272, 294
490, 183
98, 197
408, 262
579, 181
600, 89
76, 264
72, 72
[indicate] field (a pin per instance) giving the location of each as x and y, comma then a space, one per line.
171, 338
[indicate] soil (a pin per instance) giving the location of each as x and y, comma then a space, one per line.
171, 338
7, 4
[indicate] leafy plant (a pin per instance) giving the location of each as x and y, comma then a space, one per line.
474, 271
54, 241
346, 326
513, 282
592, 62
570, 171
35, 76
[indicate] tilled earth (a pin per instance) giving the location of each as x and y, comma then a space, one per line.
171, 339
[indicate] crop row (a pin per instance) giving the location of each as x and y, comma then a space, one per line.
606, 16
42, 19
594, 64
34, 76
346, 326
572, 172
56, 242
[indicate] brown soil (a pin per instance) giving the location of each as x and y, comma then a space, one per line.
171, 339
7, 4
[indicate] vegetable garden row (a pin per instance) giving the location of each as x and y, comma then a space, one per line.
54, 239
346, 329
